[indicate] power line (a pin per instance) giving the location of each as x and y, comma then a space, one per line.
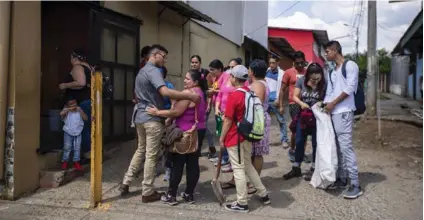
266, 24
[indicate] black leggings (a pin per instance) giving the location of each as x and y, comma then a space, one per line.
192, 168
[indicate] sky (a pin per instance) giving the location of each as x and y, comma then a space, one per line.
338, 17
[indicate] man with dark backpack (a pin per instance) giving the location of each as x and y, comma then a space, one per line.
344, 98
239, 128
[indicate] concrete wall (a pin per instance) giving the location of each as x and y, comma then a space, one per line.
399, 73
419, 72
255, 21
22, 167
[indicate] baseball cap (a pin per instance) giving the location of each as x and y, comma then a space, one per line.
239, 72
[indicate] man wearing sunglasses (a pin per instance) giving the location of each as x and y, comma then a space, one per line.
289, 82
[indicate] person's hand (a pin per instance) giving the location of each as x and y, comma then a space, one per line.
304, 106
329, 107
152, 110
208, 109
282, 110
217, 112
168, 121
62, 86
194, 97
221, 142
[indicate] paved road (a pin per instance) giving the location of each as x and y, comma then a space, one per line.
392, 181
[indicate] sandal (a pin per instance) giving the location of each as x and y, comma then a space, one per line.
228, 185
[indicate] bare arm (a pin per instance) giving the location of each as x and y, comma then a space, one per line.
259, 90
296, 98
177, 109
78, 76
225, 127
64, 112
174, 94
281, 95
83, 115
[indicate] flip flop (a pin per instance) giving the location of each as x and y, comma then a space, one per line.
228, 185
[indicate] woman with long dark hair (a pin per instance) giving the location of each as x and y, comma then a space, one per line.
78, 86
184, 114
309, 90
196, 64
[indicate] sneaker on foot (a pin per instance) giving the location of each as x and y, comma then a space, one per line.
168, 199
213, 160
285, 144
77, 166
265, 200
352, 192
64, 165
124, 189
308, 175
235, 207
156, 196
339, 184
227, 169
291, 153
212, 155
223, 162
295, 172
188, 198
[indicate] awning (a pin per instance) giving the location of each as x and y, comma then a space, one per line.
187, 11
412, 37
247, 38
283, 45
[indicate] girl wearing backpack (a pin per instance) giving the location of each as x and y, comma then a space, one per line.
309, 90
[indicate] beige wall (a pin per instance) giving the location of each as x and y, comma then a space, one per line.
24, 94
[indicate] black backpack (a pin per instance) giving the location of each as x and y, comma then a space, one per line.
359, 94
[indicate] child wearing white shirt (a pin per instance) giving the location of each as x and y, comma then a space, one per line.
73, 117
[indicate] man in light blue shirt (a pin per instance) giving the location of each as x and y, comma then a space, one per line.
340, 103
274, 78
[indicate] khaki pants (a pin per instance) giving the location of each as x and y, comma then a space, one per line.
149, 146
243, 170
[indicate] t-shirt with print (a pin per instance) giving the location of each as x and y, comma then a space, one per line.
147, 83
307, 95
290, 77
235, 107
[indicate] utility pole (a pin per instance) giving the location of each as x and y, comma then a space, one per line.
357, 43
371, 96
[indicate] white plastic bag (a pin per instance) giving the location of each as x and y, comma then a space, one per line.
326, 152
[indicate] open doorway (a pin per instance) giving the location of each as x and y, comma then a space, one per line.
111, 41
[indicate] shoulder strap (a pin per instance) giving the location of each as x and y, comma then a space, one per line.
344, 68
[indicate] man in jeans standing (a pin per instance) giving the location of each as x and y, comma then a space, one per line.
150, 88
340, 102
274, 78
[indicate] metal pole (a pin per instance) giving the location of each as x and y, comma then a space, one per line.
4, 73
96, 139
372, 59
357, 44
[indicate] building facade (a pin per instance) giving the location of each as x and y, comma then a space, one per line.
34, 59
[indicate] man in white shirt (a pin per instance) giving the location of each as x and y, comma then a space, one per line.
274, 78
340, 103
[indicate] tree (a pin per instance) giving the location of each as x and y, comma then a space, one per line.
383, 61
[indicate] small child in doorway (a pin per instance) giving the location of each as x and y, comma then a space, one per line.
73, 117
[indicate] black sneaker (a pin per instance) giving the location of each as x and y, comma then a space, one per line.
168, 199
308, 175
265, 200
352, 192
339, 184
235, 207
212, 153
124, 189
188, 198
295, 172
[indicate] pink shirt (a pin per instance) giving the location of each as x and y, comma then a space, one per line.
187, 119
225, 90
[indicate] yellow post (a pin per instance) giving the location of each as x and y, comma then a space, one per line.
96, 139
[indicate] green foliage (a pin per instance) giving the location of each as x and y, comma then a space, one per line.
383, 61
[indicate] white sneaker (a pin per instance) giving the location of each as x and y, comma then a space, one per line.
285, 145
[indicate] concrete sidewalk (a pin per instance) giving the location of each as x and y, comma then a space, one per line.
397, 108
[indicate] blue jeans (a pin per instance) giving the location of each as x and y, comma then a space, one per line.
301, 136
71, 143
281, 120
86, 132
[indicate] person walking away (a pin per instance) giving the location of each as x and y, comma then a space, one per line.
185, 119
196, 63
240, 157
150, 88
73, 117
78, 86
340, 103
309, 90
289, 82
274, 79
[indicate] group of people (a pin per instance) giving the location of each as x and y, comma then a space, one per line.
222, 90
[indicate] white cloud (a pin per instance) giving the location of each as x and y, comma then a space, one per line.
333, 16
